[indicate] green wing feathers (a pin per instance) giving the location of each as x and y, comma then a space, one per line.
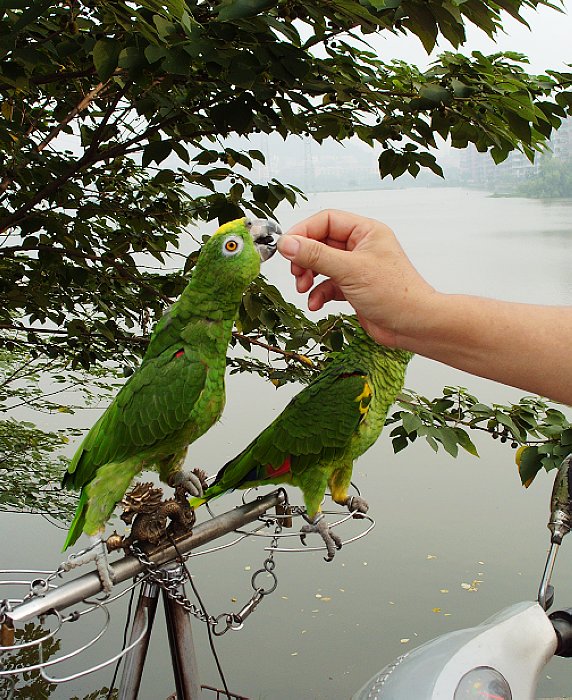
317, 424
152, 406
76, 528
326, 426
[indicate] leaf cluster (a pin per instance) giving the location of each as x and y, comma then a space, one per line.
31, 459
446, 421
268, 323
114, 126
116, 121
31, 469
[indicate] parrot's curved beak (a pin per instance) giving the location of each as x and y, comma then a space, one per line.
265, 234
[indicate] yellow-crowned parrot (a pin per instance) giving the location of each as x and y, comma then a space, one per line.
177, 393
314, 442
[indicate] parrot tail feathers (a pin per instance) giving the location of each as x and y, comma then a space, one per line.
78, 522
196, 502
213, 491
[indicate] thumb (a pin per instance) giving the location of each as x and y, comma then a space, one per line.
313, 255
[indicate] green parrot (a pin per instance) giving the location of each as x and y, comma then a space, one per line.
314, 442
176, 394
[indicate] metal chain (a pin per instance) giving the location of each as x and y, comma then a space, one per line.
224, 622
169, 583
5, 608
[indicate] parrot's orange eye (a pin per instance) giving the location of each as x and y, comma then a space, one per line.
232, 246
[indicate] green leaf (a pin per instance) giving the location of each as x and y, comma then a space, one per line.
519, 126
507, 421
105, 57
422, 22
155, 53
448, 438
399, 443
460, 89
236, 115
387, 162
435, 94
465, 442
411, 422
336, 340
240, 9
252, 304
156, 151
530, 465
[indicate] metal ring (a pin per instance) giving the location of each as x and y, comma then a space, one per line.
39, 586
97, 667
264, 591
269, 565
228, 620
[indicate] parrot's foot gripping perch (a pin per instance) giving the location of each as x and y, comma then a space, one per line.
319, 525
153, 522
357, 505
194, 482
97, 553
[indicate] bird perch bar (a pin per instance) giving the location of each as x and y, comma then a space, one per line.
88, 585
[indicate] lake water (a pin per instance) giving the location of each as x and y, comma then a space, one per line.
441, 523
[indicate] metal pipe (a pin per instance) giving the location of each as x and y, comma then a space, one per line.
183, 656
89, 585
135, 659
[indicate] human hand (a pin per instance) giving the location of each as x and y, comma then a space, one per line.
364, 265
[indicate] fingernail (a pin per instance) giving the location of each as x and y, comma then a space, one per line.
288, 246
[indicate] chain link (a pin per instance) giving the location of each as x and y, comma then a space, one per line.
171, 583
5, 608
40, 586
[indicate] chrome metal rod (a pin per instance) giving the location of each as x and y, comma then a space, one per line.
135, 659
546, 592
89, 585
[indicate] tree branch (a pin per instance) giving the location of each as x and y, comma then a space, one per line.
90, 157
288, 354
82, 104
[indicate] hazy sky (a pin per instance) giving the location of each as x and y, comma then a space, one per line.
548, 42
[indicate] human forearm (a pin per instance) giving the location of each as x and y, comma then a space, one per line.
522, 345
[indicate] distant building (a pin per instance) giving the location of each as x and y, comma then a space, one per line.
561, 142
479, 169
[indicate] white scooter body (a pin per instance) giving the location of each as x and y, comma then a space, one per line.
500, 659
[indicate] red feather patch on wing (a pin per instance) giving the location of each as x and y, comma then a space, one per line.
283, 468
180, 353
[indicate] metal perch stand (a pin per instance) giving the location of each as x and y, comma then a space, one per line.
160, 573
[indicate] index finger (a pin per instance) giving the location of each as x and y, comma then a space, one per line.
336, 228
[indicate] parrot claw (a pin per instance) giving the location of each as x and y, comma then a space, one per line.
357, 505
96, 553
189, 481
319, 525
